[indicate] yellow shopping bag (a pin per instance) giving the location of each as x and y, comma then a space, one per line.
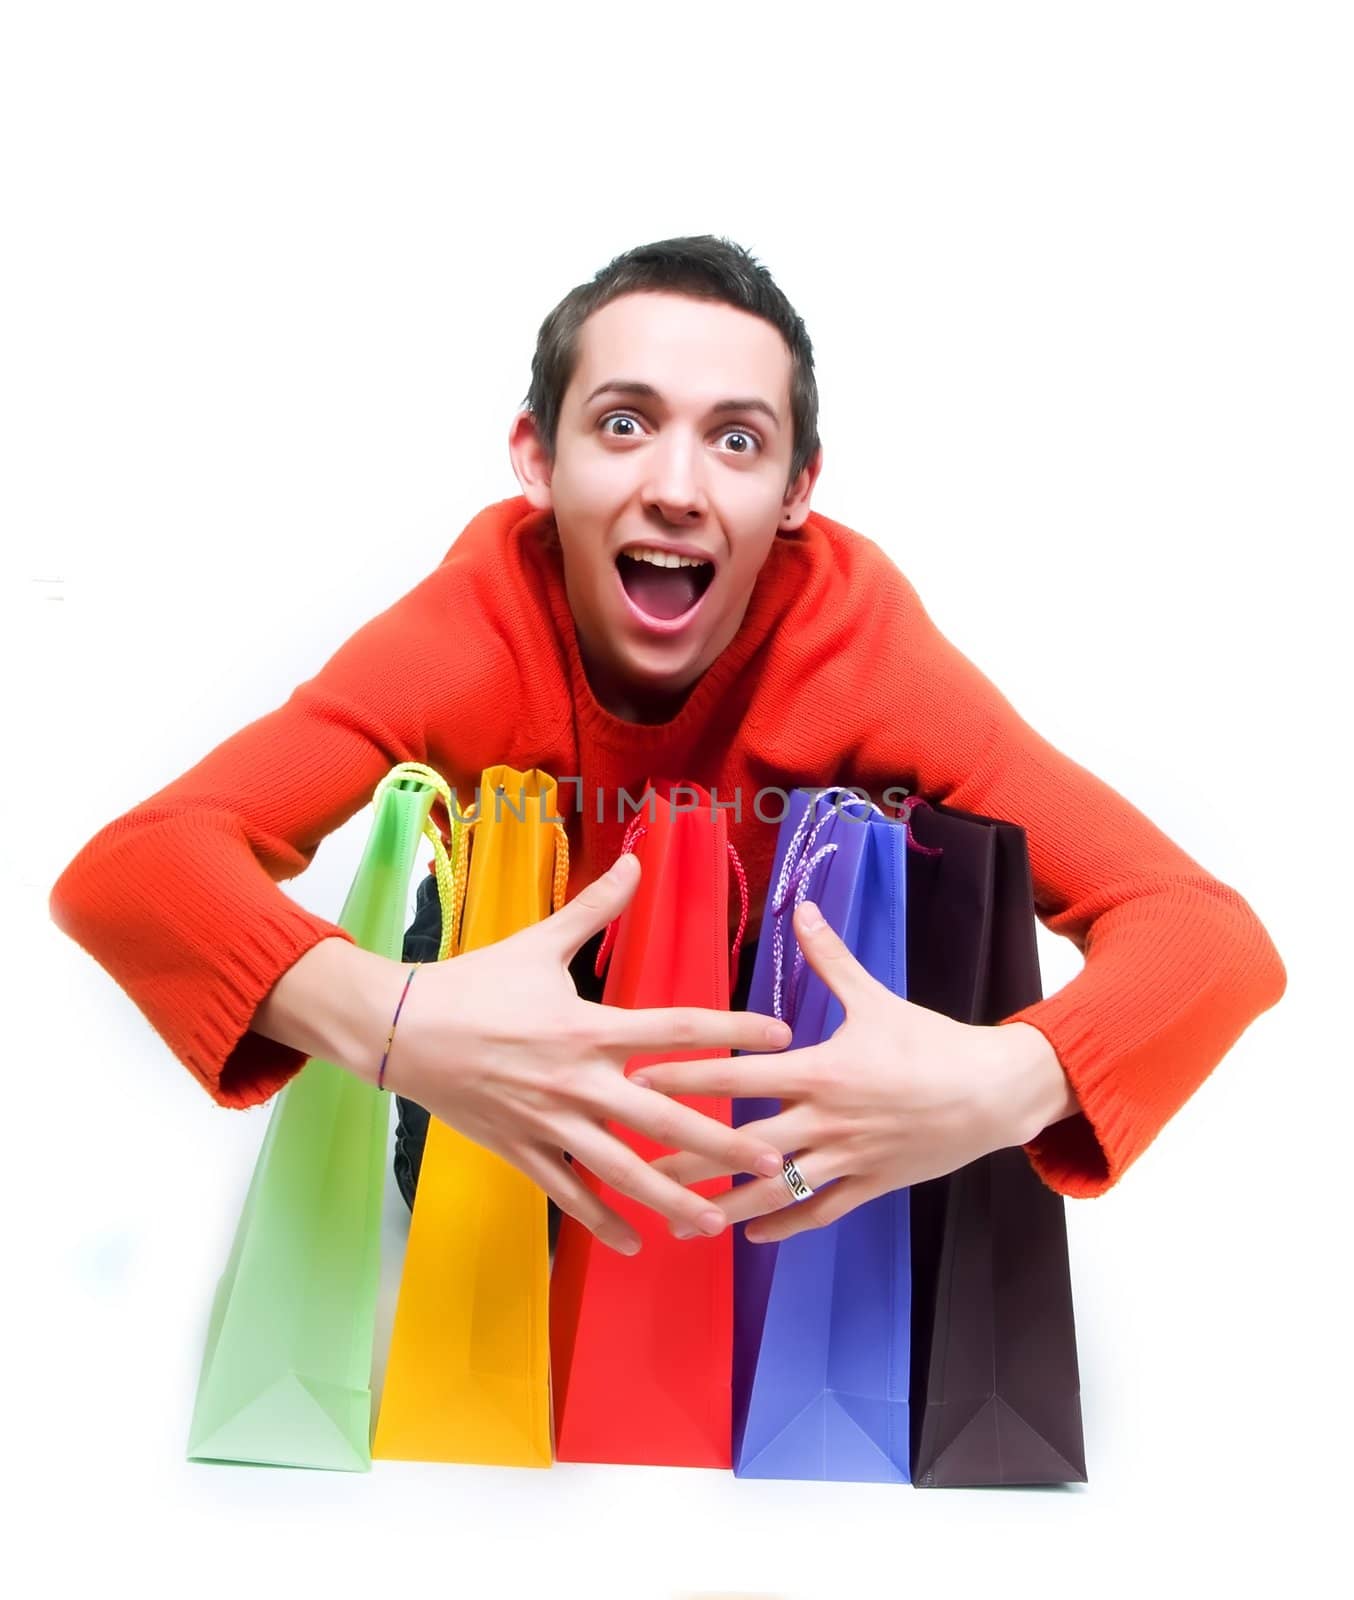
468, 1376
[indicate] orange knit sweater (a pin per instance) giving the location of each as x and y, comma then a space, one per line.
837, 675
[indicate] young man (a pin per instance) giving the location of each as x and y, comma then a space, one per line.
660, 601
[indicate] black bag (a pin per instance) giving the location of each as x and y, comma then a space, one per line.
995, 1392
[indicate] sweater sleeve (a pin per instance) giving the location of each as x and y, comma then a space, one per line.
179, 899
1176, 963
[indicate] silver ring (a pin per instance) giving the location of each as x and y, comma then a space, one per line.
795, 1178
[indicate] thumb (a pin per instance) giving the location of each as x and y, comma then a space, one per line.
826, 952
592, 908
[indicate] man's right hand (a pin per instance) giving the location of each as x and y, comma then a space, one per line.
498, 1044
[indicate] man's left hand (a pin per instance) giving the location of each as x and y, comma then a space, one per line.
897, 1095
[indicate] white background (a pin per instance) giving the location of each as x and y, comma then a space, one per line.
1078, 278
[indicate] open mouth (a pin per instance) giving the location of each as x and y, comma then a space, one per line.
663, 586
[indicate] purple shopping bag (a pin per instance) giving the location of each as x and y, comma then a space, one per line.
822, 1320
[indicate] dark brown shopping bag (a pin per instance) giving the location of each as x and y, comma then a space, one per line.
995, 1391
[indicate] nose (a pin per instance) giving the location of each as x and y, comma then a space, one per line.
674, 487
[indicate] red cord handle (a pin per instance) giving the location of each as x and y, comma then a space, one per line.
633, 834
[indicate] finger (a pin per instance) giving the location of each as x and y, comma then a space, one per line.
830, 958
788, 1130
676, 1030
765, 1195
553, 1173
824, 1206
592, 908
756, 1077
613, 1162
681, 1128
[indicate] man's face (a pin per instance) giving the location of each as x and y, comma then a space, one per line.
674, 437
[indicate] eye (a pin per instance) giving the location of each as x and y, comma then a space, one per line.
620, 416
750, 441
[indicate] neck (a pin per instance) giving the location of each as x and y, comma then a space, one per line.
626, 700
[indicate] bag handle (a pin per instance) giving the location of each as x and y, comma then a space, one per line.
905, 810
559, 877
450, 871
796, 869
633, 834
561, 884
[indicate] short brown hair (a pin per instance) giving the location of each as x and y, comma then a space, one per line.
703, 267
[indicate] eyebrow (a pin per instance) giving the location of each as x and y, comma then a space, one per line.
646, 391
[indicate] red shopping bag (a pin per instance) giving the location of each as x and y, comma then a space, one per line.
641, 1346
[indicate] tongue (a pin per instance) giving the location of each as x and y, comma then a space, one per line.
664, 592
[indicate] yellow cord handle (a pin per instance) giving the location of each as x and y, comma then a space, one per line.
561, 884
449, 871
558, 888
453, 893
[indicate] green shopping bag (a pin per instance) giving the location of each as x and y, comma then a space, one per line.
286, 1378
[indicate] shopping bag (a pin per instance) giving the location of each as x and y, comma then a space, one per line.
996, 1393
286, 1378
468, 1375
641, 1344
821, 1330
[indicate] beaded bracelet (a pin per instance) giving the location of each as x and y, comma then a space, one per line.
381, 1075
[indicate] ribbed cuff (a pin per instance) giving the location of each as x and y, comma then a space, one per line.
238, 1067
1133, 1058
1074, 1156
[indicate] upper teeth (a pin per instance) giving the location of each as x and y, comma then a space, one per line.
664, 558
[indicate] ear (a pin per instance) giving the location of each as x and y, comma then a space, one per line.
796, 505
530, 461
